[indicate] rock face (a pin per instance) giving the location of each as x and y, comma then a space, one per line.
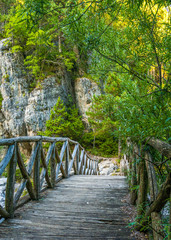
108, 166
25, 111
84, 91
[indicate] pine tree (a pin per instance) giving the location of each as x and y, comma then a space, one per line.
64, 122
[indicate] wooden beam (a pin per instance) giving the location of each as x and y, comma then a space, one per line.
67, 159
6, 159
4, 213
81, 160
163, 147
26, 182
36, 174
159, 202
77, 159
72, 159
44, 173
53, 167
9, 199
59, 165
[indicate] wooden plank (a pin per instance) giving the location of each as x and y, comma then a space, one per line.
26, 182
88, 163
96, 168
67, 159
53, 139
6, 159
77, 159
81, 161
9, 206
163, 147
72, 159
83, 170
11, 141
72, 141
53, 167
63, 150
44, 173
86, 171
70, 211
59, 165
32, 158
85, 163
36, 170
4, 213
19, 192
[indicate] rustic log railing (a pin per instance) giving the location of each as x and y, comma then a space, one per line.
44, 168
143, 169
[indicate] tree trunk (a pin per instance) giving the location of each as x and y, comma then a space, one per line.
159, 203
119, 148
152, 182
142, 193
133, 196
169, 237
162, 196
163, 147
158, 234
59, 42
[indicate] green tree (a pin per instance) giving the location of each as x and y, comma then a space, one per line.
64, 122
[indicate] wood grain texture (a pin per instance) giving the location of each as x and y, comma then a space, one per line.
9, 199
6, 159
79, 207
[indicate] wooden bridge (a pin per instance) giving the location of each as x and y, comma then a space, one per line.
82, 205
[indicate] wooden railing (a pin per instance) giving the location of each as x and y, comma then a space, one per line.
143, 170
44, 168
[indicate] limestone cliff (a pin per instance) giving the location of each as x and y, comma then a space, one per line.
25, 111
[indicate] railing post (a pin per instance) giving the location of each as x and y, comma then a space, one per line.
90, 166
95, 168
67, 159
53, 167
36, 174
77, 159
9, 200
84, 164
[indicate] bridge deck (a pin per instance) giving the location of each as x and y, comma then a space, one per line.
80, 207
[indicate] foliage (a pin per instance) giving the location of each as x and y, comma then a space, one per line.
130, 62
1, 99
100, 144
127, 44
35, 34
64, 122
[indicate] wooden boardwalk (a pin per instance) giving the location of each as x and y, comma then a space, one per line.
80, 207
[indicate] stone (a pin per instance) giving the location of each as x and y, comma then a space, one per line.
2, 191
124, 166
25, 111
5, 44
108, 166
85, 89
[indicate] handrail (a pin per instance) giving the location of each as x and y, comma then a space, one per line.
43, 167
142, 169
